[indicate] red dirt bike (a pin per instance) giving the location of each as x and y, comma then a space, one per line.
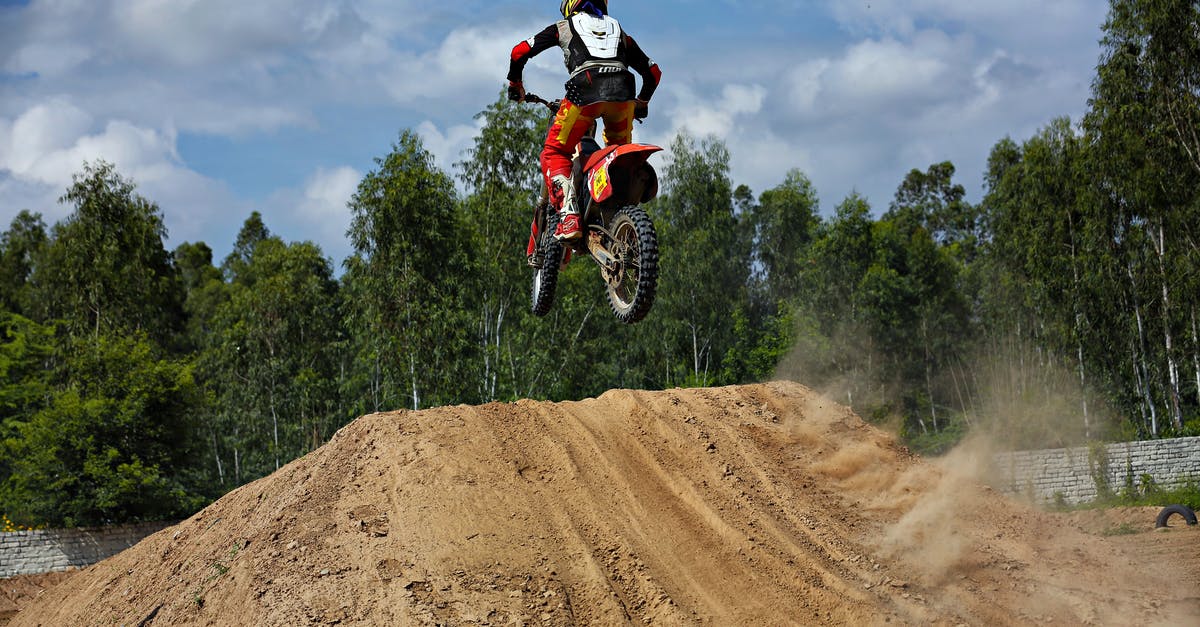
610, 184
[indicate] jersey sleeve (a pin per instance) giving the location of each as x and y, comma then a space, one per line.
530, 48
642, 64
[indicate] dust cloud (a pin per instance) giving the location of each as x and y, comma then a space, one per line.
953, 532
927, 536
1028, 401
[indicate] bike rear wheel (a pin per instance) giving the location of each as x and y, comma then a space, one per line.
631, 288
545, 278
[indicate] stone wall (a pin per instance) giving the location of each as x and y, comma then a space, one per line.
1044, 475
44, 551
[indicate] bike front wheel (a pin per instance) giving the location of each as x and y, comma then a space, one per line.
545, 278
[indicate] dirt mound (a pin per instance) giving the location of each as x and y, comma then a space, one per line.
17, 592
762, 504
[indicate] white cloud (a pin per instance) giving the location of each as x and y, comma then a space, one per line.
318, 211
860, 116
472, 60
806, 83
19, 194
880, 71
717, 117
448, 147
324, 205
1036, 21
902, 84
877, 77
327, 192
235, 69
44, 130
48, 59
43, 37
51, 141
221, 66
195, 207
761, 159
199, 33
45, 146
5, 143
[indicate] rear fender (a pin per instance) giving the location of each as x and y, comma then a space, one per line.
628, 157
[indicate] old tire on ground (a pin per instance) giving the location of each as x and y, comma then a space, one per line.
1170, 510
545, 278
636, 245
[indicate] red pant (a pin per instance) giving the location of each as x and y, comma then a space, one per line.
571, 124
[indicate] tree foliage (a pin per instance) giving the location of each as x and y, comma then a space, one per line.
137, 383
20, 246
704, 268
111, 441
405, 296
271, 357
105, 269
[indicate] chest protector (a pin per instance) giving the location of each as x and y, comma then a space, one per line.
594, 52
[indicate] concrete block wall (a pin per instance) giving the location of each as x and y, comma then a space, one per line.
50, 550
1043, 475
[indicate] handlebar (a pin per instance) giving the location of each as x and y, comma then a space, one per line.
552, 105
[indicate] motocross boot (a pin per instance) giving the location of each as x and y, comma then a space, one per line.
568, 215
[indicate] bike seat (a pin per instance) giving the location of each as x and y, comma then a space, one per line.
587, 147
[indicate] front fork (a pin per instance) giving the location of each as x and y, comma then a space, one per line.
534, 254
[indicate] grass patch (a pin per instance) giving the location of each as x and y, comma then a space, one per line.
1147, 493
1144, 493
1123, 529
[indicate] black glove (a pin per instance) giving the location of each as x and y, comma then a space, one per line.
516, 92
641, 109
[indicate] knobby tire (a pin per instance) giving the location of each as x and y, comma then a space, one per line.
633, 296
545, 279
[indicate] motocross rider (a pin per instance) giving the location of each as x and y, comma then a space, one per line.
598, 55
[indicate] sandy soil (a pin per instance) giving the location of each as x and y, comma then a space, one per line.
17, 592
754, 505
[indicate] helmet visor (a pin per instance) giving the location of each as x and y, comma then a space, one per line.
571, 7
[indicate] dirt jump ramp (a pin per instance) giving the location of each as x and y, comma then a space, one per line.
753, 505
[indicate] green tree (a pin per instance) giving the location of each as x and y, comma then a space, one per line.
835, 351
1142, 133
26, 356
253, 231
511, 357
20, 246
204, 291
933, 201
1041, 215
105, 269
842, 253
705, 262
404, 285
915, 313
785, 221
883, 320
759, 344
114, 443
271, 360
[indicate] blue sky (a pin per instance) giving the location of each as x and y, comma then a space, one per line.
217, 108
